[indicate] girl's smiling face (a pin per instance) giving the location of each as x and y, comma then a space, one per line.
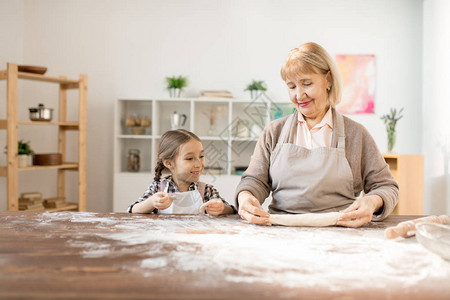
309, 93
188, 164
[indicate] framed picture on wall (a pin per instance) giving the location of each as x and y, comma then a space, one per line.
358, 74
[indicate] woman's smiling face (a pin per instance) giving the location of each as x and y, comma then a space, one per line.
309, 94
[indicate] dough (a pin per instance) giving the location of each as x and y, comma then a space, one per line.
313, 220
175, 196
204, 205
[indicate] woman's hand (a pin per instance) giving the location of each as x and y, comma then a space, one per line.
250, 209
360, 212
215, 208
161, 200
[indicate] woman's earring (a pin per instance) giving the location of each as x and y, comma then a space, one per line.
328, 89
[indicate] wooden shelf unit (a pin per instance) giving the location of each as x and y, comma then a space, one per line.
408, 170
12, 75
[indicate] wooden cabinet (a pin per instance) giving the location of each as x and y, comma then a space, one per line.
408, 170
11, 124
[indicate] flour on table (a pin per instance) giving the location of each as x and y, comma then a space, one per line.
288, 256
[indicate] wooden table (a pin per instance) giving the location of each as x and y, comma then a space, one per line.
74, 255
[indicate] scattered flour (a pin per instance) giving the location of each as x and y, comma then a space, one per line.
245, 252
154, 263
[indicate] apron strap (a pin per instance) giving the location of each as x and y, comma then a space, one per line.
339, 133
287, 127
201, 186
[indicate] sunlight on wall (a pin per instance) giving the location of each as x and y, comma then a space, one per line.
435, 105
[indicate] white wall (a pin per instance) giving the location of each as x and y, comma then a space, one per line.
436, 105
11, 49
128, 47
11, 33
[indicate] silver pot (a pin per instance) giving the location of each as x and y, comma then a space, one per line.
40, 113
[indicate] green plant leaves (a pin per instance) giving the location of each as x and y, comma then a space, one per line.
391, 119
176, 82
24, 148
256, 85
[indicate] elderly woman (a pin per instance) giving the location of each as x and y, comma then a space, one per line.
316, 160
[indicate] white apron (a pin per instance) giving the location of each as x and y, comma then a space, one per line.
310, 181
184, 202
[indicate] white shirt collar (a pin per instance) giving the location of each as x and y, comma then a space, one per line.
326, 120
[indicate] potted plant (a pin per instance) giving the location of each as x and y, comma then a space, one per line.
390, 121
256, 86
175, 84
24, 152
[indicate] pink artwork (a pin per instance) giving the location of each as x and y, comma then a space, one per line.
358, 74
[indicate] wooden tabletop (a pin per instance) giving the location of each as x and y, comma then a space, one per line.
74, 255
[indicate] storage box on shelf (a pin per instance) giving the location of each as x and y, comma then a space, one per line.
11, 75
229, 129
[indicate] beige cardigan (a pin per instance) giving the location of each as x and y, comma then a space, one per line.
369, 169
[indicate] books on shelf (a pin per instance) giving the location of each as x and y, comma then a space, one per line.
31, 201
216, 94
35, 202
35, 207
54, 203
30, 195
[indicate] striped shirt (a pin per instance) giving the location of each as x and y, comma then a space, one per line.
210, 192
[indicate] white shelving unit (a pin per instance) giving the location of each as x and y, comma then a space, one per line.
224, 148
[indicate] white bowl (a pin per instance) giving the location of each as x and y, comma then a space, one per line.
434, 237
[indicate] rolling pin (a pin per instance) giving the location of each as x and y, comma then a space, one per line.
408, 228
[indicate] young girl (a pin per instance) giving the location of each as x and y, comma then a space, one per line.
181, 153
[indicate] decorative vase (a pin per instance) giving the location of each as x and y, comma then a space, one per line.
174, 92
391, 140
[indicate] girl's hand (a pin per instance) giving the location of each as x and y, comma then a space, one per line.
215, 208
360, 212
251, 210
161, 200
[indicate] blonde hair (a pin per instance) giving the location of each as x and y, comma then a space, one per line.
312, 58
169, 146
